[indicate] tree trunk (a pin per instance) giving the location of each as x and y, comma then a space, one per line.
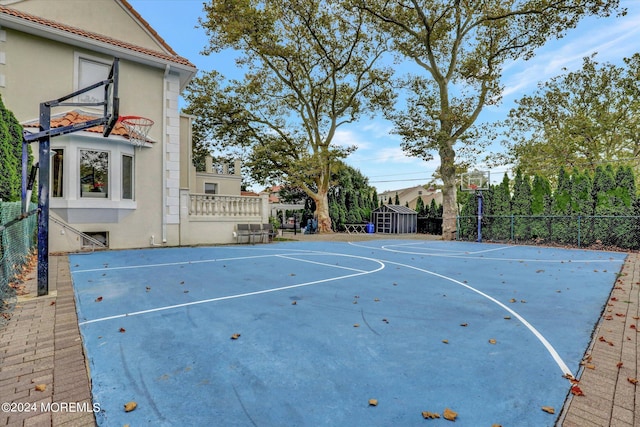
449, 191
322, 211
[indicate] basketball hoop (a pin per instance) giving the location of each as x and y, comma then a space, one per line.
137, 127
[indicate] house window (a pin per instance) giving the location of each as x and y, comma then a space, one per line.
90, 72
94, 173
127, 177
210, 188
57, 166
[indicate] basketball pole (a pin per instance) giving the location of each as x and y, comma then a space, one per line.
479, 197
44, 159
43, 138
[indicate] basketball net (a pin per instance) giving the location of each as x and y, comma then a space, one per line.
137, 127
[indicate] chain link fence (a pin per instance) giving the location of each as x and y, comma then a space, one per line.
604, 231
17, 242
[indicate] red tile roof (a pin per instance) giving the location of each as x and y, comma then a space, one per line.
171, 56
77, 117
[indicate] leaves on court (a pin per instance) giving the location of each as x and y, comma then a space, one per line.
445, 341
430, 415
449, 414
122, 330
98, 299
549, 409
373, 402
130, 406
235, 336
41, 387
492, 341
633, 381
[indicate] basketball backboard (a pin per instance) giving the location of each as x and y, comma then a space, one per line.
475, 181
112, 102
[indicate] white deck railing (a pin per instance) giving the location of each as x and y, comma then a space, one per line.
215, 205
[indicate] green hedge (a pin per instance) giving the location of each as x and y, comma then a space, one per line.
581, 208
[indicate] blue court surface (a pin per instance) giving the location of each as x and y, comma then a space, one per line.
488, 331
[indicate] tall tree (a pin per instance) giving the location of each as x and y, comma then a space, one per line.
310, 68
579, 119
521, 206
461, 47
540, 207
10, 155
500, 209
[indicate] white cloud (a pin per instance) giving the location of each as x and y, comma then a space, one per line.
612, 38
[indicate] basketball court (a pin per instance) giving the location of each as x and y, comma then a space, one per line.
308, 333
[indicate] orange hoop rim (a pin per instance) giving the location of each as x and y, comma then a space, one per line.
137, 128
136, 120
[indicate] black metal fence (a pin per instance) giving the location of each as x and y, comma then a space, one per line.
17, 241
582, 231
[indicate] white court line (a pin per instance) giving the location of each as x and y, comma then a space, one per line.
166, 264
552, 261
554, 354
321, 263
228, 297
385, 247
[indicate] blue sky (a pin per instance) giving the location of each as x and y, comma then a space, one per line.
379, 156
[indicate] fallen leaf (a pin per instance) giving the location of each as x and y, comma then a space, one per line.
445, 341
430, 415
373, 402
52, 303
632, 327
549, 409
496, 425
507, 317
620, 315
235, 336
449, 414
492, 341
98, 299
576, 391
294, 303
633, 381
590, 366
41, 387
130, 406
123, 330
356, 325
512, 300
376, 299
464, 324
619, 365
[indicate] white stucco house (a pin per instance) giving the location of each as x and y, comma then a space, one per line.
109, 189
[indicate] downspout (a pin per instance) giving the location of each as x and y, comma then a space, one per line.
164, 154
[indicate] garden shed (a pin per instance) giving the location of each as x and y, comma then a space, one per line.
395, 219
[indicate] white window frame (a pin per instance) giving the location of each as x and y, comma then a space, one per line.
89, 70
